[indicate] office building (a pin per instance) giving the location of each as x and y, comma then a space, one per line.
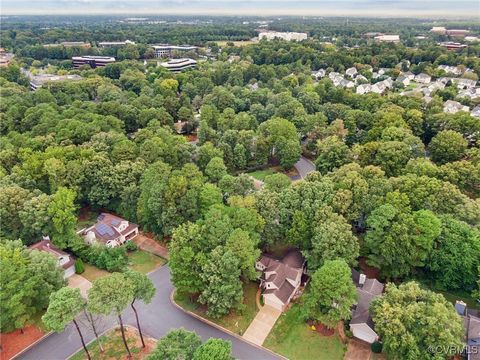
37, 81
288, 36
388, 38
110, 44
93, 61
166, 51
178, 65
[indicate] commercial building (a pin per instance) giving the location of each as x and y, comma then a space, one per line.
288, 36
388, 38
37, 81
440, 30
453, 46
166, 51
110, 44
177, 65
457, 32
93, 61
80, 44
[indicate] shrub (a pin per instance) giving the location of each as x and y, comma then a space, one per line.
377, 347
79, 267
131, 246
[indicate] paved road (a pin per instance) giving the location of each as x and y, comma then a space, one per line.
157, 319
304, 166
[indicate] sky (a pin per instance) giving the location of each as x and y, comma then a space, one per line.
366, 8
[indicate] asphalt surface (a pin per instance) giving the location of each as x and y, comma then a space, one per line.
304, 166
156, 319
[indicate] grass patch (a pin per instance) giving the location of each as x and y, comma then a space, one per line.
235, 321
261, 174
451, 295
93, 273
114, 348
291, 337
144, 261
236, 43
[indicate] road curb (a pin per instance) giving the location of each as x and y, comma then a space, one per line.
221, 328
32, 345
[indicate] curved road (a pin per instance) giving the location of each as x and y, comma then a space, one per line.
157, 319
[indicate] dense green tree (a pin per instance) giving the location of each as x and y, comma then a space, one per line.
411, 321
62, 211
222, 290
331, 294
177, 344
215, 169
214, 349
332, 153
446, 146
455, 256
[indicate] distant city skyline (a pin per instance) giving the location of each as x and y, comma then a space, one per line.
364, 8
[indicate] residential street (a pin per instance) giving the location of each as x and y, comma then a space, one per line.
157, 319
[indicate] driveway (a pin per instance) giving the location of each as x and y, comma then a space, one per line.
78, 281
304, 166
157, 319
262, 324
358, 350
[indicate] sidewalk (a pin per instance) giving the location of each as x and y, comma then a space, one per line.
150, 245
262, 324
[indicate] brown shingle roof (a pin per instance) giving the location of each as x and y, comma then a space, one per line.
106, 227
46, 245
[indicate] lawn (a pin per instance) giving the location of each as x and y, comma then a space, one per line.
291, 337
452, 295
144, 261
93, 273
235, 322
261, 174
138, 260
114, 347
236, 43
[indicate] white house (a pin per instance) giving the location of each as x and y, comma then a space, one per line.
361, 325
110, 230
475, 111
452, 107
280, 279
351, 72
65, 260
363, 89
423, 78
403, 80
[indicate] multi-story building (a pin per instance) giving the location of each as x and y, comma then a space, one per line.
166, 51
110, 44
37, 81
80, 44
288, 36
458, 32
388, 38
93, 61
177, 65
454, 46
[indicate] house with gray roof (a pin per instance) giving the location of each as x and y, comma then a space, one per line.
452, 107
475, 111
423, 78
361, 324
280, 279
471, 324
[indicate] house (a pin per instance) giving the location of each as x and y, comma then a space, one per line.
471, 323
465, 83
319, 74
475, 111
280, 279
346, 83
452, 107
472, 93
378, 88
333, 75
65, 260
363, 89
454, 70
351, 72
360, 78
361, 325
423, 78
110, 230
403, 80
409, 75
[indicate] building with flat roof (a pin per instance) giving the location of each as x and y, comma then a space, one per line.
81, 44
166, 51
288, 36
177, 65
457, 32
453, 46
441, 30
37, 81
93, 61
109, 44
388, 38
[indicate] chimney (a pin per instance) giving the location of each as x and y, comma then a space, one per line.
362, 279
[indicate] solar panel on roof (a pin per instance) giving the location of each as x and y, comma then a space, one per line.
104, 229
115, 222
